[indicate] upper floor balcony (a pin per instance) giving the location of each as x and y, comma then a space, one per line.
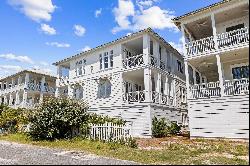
140, 61
216, 29
225, 41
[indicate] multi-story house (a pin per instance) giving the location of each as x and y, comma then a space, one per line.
136, 78
216, 57
27, 88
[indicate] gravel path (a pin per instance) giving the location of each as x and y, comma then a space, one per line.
14, 154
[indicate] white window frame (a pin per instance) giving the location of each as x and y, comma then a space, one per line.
237, 65
104, 84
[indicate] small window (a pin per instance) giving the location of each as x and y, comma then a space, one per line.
104, 89
240, 72
151, 48
232, 28
179, 66
111, 60
106, 61
198, 78
100, 59
92, 68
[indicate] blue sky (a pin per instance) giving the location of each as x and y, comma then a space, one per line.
36, 33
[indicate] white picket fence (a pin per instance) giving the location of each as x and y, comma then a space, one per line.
110, 132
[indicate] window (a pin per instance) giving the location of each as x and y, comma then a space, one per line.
104, 89
232, 28
80, 67
106, 60
160, 53
191, 76
100, 58
198, 78
179, 66
240, 72
151, 48
111, 58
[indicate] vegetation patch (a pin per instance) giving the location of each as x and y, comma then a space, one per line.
180, 151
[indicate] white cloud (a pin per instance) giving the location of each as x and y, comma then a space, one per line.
9, 69
79, 30
128, 18
122, 13
37, 10
98, 12
86, 48
23, 59
43, 63
48, 29
59, 45
178, 46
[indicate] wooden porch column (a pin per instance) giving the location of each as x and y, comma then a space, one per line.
146, 49
25, 97
221, 79
70, 91
185, 61
148, 85
214, 31
42, 89
17, 98
166, 87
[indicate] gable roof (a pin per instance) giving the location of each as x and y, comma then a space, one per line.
148, 30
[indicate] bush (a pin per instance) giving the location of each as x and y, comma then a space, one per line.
160, 128
11, 120
57, 118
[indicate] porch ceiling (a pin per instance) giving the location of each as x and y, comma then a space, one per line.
207, 66
136, 45
202, 28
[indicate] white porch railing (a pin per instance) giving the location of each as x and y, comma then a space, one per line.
201, 46
237, 87
134, 61
157, 98
233, 38
205, 90
33, 87
207, 45
212, 89
138, 60
110, 132
137, 96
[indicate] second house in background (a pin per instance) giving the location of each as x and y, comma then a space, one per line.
137, 77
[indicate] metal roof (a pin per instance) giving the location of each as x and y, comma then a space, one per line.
148, 30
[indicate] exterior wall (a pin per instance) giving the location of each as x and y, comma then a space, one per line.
221, 27
225, 117
227, 67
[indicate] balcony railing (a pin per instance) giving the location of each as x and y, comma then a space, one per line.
37, 87
205, 90
134, 61
212, 89
157, 98
138, 60
237, 87
207, 45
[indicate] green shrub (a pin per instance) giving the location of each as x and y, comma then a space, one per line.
160, 128
56, 118
11, 120
173, 128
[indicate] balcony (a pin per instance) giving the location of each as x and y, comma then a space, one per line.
226, 41
139, 61
37, 87
212, 89
156, 98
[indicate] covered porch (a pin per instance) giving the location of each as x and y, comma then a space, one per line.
226, 74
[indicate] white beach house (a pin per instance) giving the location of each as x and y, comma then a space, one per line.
216, 52
136, 78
